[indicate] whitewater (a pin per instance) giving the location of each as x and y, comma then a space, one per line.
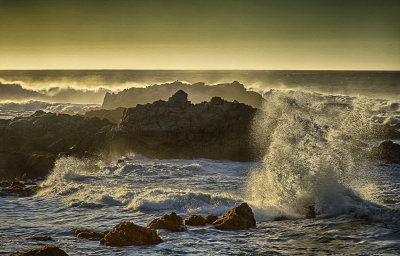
313, 159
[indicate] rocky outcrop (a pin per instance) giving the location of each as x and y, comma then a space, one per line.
31, 144
112, 115
172, 222
18, 188
211, 218
128, 233
195, 220
386, 151
179, 129
198, 93
240, 217
47, 250
90, 235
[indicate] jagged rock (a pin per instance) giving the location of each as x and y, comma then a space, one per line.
47, 250
197, 93
172, 222
211, 218
387, 150
40, 238
195, 220
112, 115
90, 235
169, 130
240, 217
128, 233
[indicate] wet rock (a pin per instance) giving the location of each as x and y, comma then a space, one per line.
240, 217
172, 222
281, 218
211, 218
195, 220
311, 212
40, 238
386, 151
128, 233
90, 235
47, 250
18, 188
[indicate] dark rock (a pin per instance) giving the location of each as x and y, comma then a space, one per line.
128, 233
280, 218
47, 250
19, 189
211, 218
387, 151
112, 115
240, 217
40, 238
172, 222
90, 235
195, 220
197, 93
311, 212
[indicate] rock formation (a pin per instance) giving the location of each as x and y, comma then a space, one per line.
211, 218
240, 217
128, 233
90, 235
198, 93
386, 151
172, 222
178, 129
195, 220
47, 250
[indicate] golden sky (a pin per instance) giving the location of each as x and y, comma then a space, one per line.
202, 34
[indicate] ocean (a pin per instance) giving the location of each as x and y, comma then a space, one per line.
310, 160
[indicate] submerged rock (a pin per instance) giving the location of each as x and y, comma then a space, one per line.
195, 220
240, 217
172, 222
40, 238
211, 218
387, 151
128, 233
47, 250
90, 235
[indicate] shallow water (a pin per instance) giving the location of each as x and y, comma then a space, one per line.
94, 195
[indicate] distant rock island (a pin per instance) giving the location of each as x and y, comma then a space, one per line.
197, 93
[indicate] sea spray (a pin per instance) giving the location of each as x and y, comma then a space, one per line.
310, 160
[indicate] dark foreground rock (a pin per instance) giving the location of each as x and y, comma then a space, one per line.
211, 218
386, 151
172, 222
195, 220
18, 188
47, 250
128, 233
179, 129
240, 217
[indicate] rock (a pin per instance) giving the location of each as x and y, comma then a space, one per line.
211, 218
47, 250
311, 212
195, 220
387, 151
197, 93
128, 233
281, 218
172, 222
240, 217
19, 189
90, 235
112, 115
40, 238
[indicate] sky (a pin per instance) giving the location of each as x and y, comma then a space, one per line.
202, 34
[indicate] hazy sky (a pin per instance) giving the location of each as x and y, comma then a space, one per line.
202, 34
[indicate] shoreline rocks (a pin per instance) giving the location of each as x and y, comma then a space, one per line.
386, 151
195, 220
171, 222
47, 250
240, 217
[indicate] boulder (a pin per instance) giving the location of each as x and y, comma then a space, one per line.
128, 233
172, 222
195, 220
211, 218
47, 250
90, 235
240, 217
386, 151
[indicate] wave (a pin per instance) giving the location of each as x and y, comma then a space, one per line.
310, 159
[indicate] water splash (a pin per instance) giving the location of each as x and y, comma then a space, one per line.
310, 160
